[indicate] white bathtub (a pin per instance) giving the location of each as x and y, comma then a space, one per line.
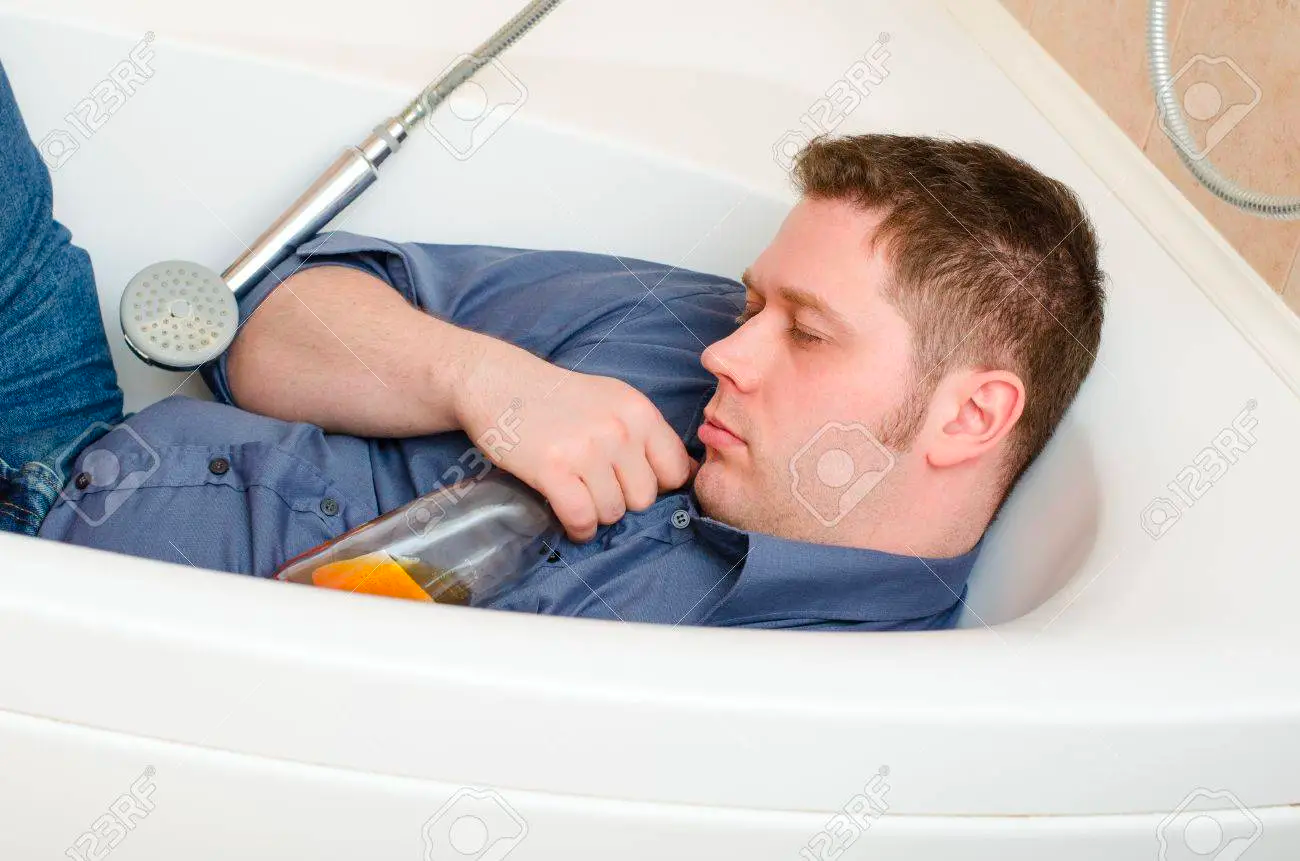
1105, 686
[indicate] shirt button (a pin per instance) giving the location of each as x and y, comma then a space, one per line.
554, 557
82, 481
218, 466
681, 519
329, 506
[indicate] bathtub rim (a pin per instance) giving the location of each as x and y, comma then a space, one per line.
1223, 261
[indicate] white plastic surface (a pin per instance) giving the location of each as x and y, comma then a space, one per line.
179, 313
1120, 675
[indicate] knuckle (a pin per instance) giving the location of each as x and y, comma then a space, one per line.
642, 410
576, 518
610, 507
603, 443
583, 529
675, 473
620, 433
590, 451
557, 460
640, 500
547, 477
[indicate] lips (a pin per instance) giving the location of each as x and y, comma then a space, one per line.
714, 433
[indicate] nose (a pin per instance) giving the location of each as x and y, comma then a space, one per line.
735, 357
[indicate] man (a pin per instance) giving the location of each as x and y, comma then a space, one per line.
895, 359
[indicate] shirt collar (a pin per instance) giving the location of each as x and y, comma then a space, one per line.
783, 578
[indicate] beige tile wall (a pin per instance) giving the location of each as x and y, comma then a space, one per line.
1102, 44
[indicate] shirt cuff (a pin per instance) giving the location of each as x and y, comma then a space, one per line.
377, 257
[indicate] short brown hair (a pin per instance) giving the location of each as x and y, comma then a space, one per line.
993, 265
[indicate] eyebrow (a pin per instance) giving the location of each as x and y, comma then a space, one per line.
805, 299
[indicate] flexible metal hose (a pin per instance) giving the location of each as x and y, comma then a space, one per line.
510, 32
358, 167
1257, 203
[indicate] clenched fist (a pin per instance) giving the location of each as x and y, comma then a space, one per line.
594, 446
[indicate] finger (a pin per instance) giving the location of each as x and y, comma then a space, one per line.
668, 458
605, 492
638, 480
573, 506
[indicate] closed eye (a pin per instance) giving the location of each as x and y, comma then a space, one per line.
801, 335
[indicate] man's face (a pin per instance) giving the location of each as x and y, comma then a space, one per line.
818, 373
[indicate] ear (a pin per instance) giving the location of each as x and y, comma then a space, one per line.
976, 410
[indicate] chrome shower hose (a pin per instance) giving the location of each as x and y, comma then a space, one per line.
1171, 114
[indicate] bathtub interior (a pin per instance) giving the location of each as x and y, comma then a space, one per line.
200, 159
1118, 671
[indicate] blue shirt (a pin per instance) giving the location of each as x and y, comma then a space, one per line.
211, 485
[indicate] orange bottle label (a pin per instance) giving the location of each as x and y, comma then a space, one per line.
372, 574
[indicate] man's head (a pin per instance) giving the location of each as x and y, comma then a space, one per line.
911, 339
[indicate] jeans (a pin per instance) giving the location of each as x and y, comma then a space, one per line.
58, 389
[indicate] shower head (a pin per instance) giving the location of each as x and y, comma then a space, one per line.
178, 315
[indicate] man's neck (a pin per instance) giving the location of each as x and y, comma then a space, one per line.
936, 525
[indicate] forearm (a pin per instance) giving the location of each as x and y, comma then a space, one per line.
338, 348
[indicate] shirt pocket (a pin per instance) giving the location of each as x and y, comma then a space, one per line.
243, 508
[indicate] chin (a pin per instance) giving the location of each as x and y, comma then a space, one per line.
720, 495
746, 501
708, 483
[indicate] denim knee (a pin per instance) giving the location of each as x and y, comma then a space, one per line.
26, 496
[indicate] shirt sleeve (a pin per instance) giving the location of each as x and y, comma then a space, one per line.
642, 322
